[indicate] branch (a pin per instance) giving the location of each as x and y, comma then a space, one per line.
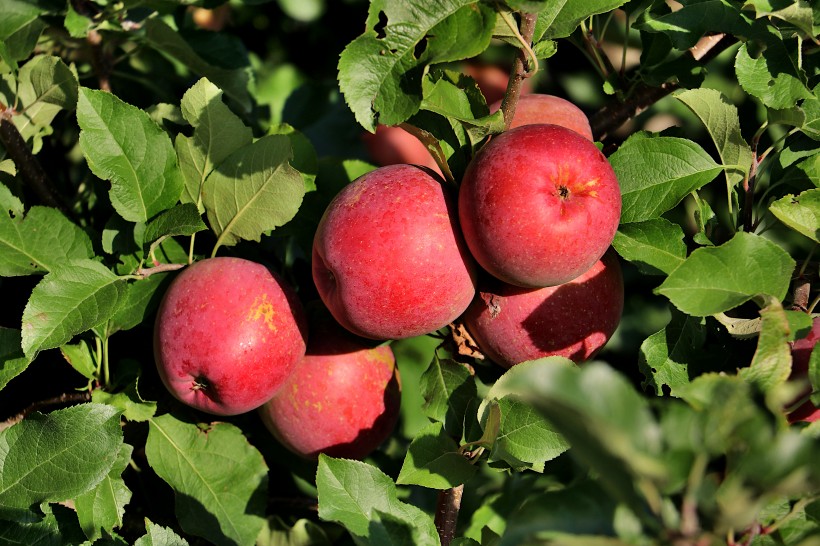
28, 165
449, 503
65, 399
613, 115
519, 71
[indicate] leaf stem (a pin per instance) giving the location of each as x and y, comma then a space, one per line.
447, 508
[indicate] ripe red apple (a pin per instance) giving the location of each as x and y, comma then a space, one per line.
539, 205
395, 146
388, 259
342, 399
539, 108
228, 332
511, 324
801, 353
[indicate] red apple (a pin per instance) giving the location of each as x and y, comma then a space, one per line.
388, 258
539, 205
228, 333
511, 324
342, 399
801, 353
538, 108
492, 80
395, 146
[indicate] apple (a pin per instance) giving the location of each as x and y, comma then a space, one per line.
389, 261
342, 399
492, 80
539, 205
801, 353
540, 108
511, 324
228, 333
391, 145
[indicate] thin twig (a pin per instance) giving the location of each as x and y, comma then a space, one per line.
449, 503
519, 71
65, 399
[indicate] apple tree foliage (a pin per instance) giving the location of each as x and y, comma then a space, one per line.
133, 142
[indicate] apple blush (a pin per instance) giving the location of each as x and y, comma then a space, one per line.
228, 333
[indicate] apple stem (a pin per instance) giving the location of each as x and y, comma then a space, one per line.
519, 70
449, 503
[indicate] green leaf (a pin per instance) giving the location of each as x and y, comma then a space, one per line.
102, 508
655, 246
433, 460
80, 357
53, 82
304, 155
688, 24
57, 527
129, 401
218, 478
139, 300
716, 279
801, 213
304, 532
16, 15
447, 388
40, 242
218, 132
657, 173
77, 25
12, 360
574, 11
9, 203
20, 45
183, 219
40, 455
123, 144
813, 375
666, 355
773, 76
71, 299
380, 73
234, 81
723, 123
772, 361
157, 535
364, 501
253, 191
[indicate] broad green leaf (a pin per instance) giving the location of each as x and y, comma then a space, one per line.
574, 11
9, 203
304, 532
53, 82
253, 191
772, 361
657, 173
73, 298
801, 213
57, 527
364, 501
102, 508
655, 246
723, 123
525, 439
157, 535
716, 279
122, 144
218, 133
16, 15
811, 111
183, 219
234, 81
305, 159
687, 25
77, 25
666, 355
40, 242
447, 388
20, 45
129, 401
55, 457
433, 460
139, 300
12, 360
773, 76
80, 357
219, 479
607, 424
380, 72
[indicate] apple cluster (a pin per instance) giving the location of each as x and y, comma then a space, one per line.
519, 255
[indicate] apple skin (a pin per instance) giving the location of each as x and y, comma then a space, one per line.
228, 333
388, 259
342, 399
511, 324
391, 145
801, 353
540, 108
539, 205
